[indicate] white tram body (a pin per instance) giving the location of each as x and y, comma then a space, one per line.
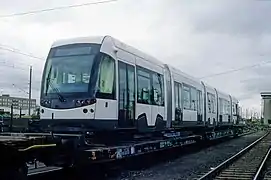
234, 109
224, 108
210, 104
187, 99
102, 83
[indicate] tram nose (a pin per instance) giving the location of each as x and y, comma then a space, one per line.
84, 112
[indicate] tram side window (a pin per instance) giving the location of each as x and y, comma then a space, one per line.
143, 86
233, 109
157, 90
211, 103
194, 99
228, 108
180, 95
200, 101
186, 97
176, 95
107, 78
161, 79
225, 107
221, 106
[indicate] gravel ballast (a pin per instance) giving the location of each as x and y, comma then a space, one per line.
190, 166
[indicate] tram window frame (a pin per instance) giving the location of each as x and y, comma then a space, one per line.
151, 75
200, 101
142, 73
211, 100
193, 92
160, 83
186, 90
177, 95
104, 95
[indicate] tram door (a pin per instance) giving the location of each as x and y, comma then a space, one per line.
126, 95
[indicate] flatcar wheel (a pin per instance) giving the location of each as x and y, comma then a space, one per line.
17, 174
22, 172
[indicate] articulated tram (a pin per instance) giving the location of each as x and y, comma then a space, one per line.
101, 83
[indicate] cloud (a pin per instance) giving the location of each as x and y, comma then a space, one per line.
244, 18
200, 38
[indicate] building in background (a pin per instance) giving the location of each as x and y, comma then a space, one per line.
266, 103
18, 104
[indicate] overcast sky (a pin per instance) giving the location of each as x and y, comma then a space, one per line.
199, 37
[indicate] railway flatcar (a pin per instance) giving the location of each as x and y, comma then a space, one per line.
100, 83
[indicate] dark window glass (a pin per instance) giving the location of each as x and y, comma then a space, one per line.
176, 95
178, 103
150, 87
194, 103
200, 102
220, 106
158, 98
211, 103
180, 95
161, 79
186, 97
122, 86
106, 81
75, 49
143, 86
69, 67
126, 95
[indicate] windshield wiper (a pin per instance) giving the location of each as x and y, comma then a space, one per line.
60, 97
49, 83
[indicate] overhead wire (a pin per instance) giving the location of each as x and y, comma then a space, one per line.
20, 88
236, 70
17, 51
24, 91
56, 8
13, 50
14, 67
94, 3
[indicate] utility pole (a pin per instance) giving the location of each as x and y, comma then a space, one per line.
29, 93
20, 112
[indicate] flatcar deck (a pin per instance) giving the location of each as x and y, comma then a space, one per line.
65, 150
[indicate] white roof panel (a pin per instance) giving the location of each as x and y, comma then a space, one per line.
90, 39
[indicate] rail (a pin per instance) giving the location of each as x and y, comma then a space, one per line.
214, 172
43, 170
262, 166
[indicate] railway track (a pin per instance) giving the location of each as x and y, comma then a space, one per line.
249, 163
41, 170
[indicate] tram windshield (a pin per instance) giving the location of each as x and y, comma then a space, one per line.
68, 69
